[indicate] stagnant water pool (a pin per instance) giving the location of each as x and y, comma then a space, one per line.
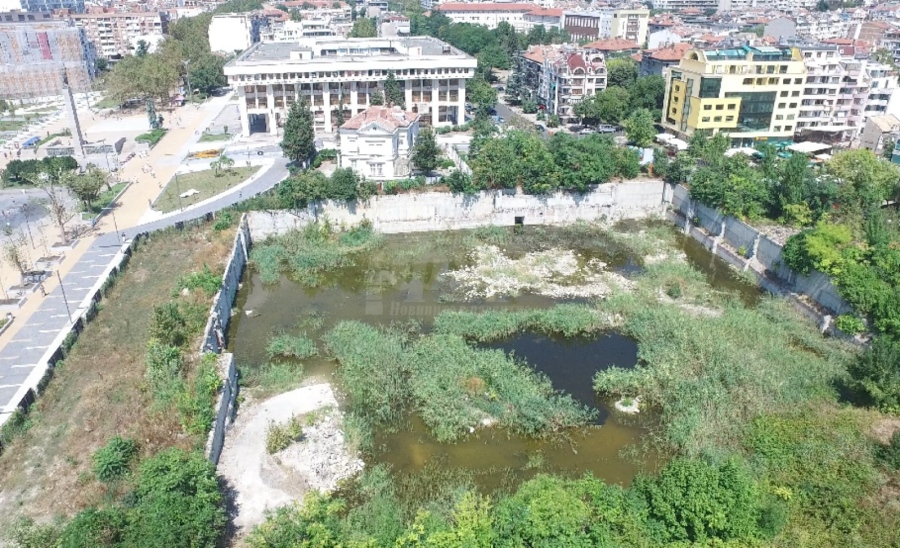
403, 282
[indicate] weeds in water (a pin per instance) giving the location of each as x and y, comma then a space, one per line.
285, 345
453, 386
568, 320
308, 253
272, 377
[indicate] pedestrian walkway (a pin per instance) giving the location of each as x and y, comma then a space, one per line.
24, 359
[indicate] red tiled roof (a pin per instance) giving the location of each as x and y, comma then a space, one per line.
487, 6
671, 53
389, 118
575, 61
544, 12
612, 44
534, 54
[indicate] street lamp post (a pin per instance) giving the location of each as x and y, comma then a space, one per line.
65, 300
178, 190
112, 211
28, 224
187, 75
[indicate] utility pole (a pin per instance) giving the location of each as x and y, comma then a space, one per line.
187, 75
178, 190
65, 300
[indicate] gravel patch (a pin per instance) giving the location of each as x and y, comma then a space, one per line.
318, 461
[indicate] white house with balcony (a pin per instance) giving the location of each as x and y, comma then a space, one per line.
377, 143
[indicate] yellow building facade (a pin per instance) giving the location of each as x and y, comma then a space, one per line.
750, 93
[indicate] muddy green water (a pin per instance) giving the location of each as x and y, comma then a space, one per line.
402, 282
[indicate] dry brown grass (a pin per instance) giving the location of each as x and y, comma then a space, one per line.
100, 390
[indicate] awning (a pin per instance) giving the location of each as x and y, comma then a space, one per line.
747, 151
664, 137
809, 147
679, 144
827, 129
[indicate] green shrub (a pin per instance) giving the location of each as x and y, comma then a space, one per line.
164, 365
291, 346
17, 425
817, 248
167, 324
280, 436
273, 376
94, 527
113, 460
224, 220
460, 182
204, 280
875, 373
890, 454
177, 503
196, 402
152, 137
850, 324
447, 163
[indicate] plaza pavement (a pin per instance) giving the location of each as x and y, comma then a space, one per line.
41, 325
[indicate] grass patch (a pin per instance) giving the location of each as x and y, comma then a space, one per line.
101, 390
106, 197
307, 254
107, 102
53, 136
205, 182
152, 137
452, 385
213, 137
12, 125
280, 436
568, 320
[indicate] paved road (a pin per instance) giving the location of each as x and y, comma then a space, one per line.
31, 346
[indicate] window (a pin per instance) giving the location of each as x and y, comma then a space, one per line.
790, 116
710, 87
707, 107
732, 106
796, 93
789, 128
779, 117
783, 94
375, 169
717, 119
729, 118
793, 105
704, 119
720, 107
773, 81
786, 81
776, 128
748, 81
798, 80
782, 69
782, 105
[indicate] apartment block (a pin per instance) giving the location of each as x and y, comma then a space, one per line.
36, 57
343, 73
628, 24
115, 34
678, 5
751, 94
842, 93
292, 31
559, 77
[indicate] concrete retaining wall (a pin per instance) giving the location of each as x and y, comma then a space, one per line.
224, 407
748, 249
433, 211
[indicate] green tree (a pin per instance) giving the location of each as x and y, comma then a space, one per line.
377, 99
640, 128
496, 165
85, 186
298, 141
609, 105
142, 49
426, 152
481, 94
297, 16
867, 181
884, 55
207, 72
647, 92
621, 72
363, 28
392, 92
876, 373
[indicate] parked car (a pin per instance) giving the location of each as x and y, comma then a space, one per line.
607, 128
500, 88
586, 131
497, 119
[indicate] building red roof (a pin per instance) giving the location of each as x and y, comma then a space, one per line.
389, 118
545, 12
487, 6
670, 53
612, 44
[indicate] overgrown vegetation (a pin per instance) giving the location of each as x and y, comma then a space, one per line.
451, 385
307, 254
129, 457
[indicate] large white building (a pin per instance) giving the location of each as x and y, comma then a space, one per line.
489, 14
377, 143
343, 73
234, 32
293, 31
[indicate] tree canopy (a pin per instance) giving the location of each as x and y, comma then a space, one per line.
298, 141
